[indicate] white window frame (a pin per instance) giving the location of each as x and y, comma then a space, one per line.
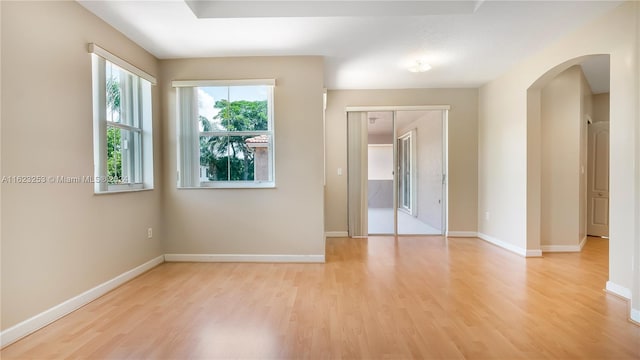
136, 98
189, 134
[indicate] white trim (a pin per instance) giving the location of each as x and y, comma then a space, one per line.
583, 242
618, 290
635, 315
95, 49
469, 234
244, 82
560, 248
397, 108
534, 253
564, 248
235, 185
46, 317
336, 234
244, 258
515, 249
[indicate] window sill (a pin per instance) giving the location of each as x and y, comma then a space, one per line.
123, 191
239, 186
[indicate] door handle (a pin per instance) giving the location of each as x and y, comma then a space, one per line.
600, 194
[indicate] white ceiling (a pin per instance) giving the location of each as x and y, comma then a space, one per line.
468, 43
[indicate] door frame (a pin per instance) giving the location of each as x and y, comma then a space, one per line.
412, 171
445, 155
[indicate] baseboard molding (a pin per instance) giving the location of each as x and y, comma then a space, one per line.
635, 316
46, 317
619, 290
534, 253
582, 242
564, 248
336, 234
244, 258
560, 248
510, 247
470, 234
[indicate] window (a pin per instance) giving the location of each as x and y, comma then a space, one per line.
225, 133
123, 149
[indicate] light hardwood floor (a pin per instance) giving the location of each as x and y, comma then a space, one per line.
410, 297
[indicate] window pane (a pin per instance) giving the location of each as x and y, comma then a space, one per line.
235, 158
241, 159
114, 156
114, 92
211, 100
124, 156
261, 148
123, 96
214, 162
233, 108
248, 108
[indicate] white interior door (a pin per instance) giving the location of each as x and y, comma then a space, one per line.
598, 180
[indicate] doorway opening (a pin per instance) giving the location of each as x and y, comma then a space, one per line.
568, 155
402, 155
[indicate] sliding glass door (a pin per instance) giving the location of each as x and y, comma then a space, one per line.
396, 172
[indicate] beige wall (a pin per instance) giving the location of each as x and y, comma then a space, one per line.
562, 204
600, 107
462, 148
504, 135
284, 220
59, 240
586, 111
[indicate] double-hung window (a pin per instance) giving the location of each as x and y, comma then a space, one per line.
225, 133
123, 149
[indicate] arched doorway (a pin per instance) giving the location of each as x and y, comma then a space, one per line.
559, 108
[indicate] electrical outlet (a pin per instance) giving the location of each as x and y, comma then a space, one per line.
487, 215
149, 233
339, 171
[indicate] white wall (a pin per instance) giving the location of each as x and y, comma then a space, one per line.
59, 240
287, 220
503, 137
380, 162
462, 148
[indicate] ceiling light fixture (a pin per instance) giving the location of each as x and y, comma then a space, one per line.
419, 66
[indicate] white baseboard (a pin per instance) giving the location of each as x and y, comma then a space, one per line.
564, 248
619, 290
334, 234
560, 248
470, 234
46, 317
510, 247
534, 253
635, 315
244, 258
584, 241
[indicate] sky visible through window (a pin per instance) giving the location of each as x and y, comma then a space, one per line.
207, 97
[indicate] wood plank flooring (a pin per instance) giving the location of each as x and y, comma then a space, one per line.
411, 297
